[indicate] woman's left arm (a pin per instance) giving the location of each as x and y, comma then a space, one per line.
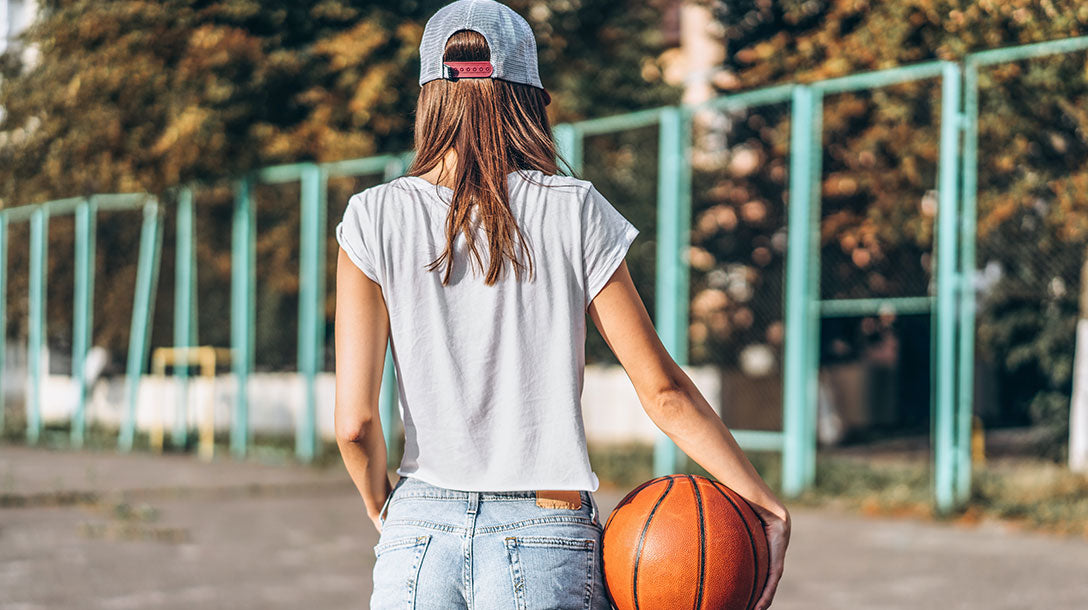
362, 332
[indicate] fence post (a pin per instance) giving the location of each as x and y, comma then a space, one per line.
671, 298
83, 311
568, 140
968, 230
311, 310
683, 235
944, 445
799, 391
185, 327
39, 252
243, 282
143, 313
812, 311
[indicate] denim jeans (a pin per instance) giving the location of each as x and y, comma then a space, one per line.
443, 548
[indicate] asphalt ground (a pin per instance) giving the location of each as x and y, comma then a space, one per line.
98, 530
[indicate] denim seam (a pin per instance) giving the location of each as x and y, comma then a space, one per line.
589, 575
397, 543
472, 512
538, 520
442, 527
554, 542
515, 572
432, 496
413, 583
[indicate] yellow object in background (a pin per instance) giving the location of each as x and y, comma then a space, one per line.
978, 441
206, 357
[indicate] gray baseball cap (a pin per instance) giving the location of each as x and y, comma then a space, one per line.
508, 35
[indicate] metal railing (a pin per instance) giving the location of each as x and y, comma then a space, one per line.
952, 305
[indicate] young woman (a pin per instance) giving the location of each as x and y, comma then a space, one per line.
479, 265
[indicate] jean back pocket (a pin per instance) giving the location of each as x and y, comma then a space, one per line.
552, 571
396, 571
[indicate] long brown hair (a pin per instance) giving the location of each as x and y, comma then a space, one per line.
495, 127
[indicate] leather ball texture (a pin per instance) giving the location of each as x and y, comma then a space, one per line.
684, 541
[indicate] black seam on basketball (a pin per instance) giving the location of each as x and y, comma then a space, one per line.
642, 539
702, 542
751, 539
628, 497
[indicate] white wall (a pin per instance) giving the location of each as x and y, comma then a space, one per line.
610, 408
15, 16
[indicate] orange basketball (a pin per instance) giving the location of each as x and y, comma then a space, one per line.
684, 541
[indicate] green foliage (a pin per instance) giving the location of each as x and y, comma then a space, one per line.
141, 95
133, 94
1027, 321
880, 155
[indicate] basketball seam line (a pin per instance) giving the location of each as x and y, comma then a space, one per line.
642, 539
751, 539
615, 510
702, 542
630, 495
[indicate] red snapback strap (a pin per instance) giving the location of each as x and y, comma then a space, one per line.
467, 69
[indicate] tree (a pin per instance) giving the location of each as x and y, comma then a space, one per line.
880, 152
141, 95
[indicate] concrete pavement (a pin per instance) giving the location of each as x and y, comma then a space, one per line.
102, 530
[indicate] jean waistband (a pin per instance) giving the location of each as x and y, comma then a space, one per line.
411, 487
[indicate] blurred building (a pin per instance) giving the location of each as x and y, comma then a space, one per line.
695, 60
15, 16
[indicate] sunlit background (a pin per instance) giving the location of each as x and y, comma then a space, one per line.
863, 232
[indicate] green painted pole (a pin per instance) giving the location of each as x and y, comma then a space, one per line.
569, 142
968, 229
242, 303
3, 314
184, 294
799, 391
39, 253
1028, 51
812, 303
947, 211
683, 237
668, 301
82, 311
311, 312
143, 313
321, 323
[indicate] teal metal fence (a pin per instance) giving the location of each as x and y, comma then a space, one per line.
85, 211
951, 304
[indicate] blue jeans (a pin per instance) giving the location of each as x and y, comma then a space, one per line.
443, 548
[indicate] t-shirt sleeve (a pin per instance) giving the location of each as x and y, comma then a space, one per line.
356, 235
606, 237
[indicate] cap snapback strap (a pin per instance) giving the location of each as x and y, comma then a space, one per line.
466, 69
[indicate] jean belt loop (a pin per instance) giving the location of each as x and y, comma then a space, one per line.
385, 505
473, 502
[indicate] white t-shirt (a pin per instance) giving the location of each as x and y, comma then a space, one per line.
489, 377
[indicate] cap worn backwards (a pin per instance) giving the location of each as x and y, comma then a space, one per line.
508, 35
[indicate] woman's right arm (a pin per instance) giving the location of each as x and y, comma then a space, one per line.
677, 407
